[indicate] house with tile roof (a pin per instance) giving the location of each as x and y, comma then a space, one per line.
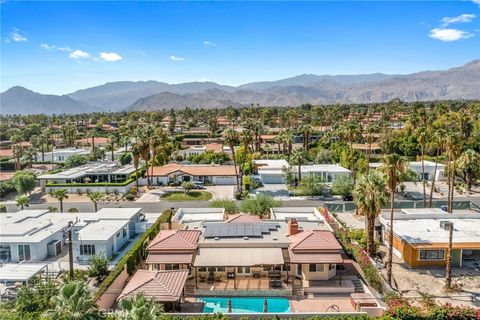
209, 174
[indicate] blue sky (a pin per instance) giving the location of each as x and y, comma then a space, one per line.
58, 47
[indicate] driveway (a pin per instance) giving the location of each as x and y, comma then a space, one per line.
274, 190
221, 192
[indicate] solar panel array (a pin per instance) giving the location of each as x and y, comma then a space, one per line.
234, 230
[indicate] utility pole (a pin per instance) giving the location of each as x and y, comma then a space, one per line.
448, 276
70, 248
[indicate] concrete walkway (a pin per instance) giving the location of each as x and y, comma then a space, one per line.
351, 220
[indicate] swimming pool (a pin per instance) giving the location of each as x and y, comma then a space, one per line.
244, 304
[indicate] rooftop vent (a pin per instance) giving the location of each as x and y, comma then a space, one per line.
245, 238
445, 224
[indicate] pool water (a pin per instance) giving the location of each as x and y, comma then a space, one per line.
244, 304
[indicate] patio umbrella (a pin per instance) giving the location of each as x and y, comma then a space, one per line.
229, 305
265, 305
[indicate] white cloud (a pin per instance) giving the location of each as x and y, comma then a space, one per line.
207, 43
463, 18
48, 47
17, 36
448, 35
476, 1
175, 58
110, 56
79, 54
64, 49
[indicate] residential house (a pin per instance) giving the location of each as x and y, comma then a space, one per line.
61, 155
428, 168
420, 237
209, 174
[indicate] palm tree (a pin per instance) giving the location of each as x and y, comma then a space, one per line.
73, 302
438, 140
288, 139
469, 164
136, 160
394, 166
371, 130
451, 146
369, 196
139, 308
22, 201
60, 195
231, 138
422, 140
95, 197
298, 157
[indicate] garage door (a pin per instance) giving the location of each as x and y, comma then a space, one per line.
227, 180
272, 178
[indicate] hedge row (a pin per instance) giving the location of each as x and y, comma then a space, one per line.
93, 184
361, 257
133, 257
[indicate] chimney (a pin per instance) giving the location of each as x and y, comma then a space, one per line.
292, 227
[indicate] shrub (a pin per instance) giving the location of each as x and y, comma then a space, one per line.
229, 205
343, 185
23, 181
75, 161
133, 190
129, 197
99, 267
260, 205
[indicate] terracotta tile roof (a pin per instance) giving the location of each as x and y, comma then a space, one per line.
163, 286
6, 153
194, 170
23, 144
215, 147
316, 240
242, 218
182, 258
98, 141
4, 176
175, 240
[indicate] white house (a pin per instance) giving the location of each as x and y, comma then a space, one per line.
209, 174
34, 235
61, 155
271, 171
327, 172
429, 169
94, 176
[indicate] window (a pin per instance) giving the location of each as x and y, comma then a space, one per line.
172, 267
286, 267
24, 252
202, 269
124, 232
331, 266
118, 234
87, 249
432, 254
220, 269
316, 267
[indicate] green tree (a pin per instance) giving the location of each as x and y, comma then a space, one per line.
139, 308
324, 156
343, 185
229, 205
22, 201
369, 196
24, 182
394, 167
312, 185
136, 153
187, 186
74, 302
125, 158
232, 139
298, 157
60, 195
33, 300
260, 205
98, 268
469, 165
95, 197
75, 160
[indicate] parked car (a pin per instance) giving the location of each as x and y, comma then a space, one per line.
347, 197
198, 185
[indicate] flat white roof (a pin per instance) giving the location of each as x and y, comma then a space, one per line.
298, 213
199, 214
425, 229
271, 164
101, 230
433, 211
91, 168
412, 164
20, 271
334, 168
33, 226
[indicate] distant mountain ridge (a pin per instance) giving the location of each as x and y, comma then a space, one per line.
455, 83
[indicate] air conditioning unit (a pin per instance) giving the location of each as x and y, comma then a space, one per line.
54, 248
445, 224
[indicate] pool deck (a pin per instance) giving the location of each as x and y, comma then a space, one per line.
244, 283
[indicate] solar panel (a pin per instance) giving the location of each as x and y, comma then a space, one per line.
237, 230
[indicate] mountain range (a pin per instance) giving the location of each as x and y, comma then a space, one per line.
455, 83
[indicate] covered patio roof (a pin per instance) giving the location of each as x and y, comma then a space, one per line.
315, 257
238, 257
181, 258
163, 286
20, 272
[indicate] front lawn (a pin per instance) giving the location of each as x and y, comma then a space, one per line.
181, 196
